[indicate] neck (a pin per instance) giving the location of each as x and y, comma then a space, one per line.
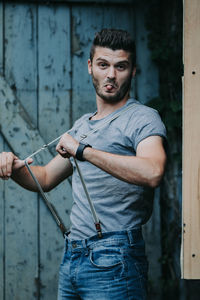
105, 108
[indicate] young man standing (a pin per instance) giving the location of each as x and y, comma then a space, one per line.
121, 163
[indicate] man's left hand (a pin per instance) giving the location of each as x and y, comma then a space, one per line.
67, 146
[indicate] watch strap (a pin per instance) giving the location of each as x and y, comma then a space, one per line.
79, 152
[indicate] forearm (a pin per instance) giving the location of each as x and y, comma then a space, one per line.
24, 179
132, 169
49, 176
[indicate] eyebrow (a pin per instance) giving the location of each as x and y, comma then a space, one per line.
119, 62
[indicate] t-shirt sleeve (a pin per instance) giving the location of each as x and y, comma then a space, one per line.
148, 123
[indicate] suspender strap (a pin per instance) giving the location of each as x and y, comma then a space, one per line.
92, 208
49, 205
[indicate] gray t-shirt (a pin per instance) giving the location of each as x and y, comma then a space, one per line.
119, 205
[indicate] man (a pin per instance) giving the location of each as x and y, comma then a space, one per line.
121, 164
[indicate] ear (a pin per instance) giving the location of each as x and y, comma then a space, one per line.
89, 66
133, 72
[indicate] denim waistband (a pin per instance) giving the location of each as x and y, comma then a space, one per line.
131, 236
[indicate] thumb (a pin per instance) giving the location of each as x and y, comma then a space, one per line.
18, 163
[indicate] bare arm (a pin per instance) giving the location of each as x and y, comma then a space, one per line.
146, 168
48, 176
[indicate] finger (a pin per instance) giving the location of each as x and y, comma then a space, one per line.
62, 151
9, 164
1, 166
3, 163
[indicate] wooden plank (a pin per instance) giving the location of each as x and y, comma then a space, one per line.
54, 70
23, 138
191, 145
21, 54
19, 61
54, 119
147, 81
1, 38
2, 230
1, 182
147, 87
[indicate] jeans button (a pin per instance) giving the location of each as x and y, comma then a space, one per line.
74, 245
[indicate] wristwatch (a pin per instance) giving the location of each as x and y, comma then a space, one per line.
79, 152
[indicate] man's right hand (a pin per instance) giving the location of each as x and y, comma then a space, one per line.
9, 162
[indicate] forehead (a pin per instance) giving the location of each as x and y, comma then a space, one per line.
111, 55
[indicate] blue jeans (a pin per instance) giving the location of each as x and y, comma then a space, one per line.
113, 267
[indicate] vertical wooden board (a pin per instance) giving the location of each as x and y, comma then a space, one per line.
20, 206
54, 119
54, 70
2, 228
147, 85
1, 38
20, 242
121, 17
191, 145
152, 237
21, 54
86, 21
147, 81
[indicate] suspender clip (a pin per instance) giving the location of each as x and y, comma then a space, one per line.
98, 229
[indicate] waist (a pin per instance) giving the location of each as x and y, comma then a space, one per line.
131, 237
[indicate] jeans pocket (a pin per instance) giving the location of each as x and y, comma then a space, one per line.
103, 257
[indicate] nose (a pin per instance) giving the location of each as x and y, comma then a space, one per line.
111, 73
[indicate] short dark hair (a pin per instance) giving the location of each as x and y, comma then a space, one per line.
114, 39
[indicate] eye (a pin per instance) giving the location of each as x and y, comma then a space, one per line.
102, 65
121, 67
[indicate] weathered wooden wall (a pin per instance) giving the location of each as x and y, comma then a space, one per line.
44, 88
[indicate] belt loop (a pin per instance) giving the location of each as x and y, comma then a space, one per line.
84, 243
130, 237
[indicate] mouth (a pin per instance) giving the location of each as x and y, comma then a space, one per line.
110, 87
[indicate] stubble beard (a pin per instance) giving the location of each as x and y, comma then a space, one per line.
118, 96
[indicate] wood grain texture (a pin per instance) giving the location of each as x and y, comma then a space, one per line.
2, 230
54, 93
21, 55
191, 145
22, 211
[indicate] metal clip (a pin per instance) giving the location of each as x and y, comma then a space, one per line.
83, 136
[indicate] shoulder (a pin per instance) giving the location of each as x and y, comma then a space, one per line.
142, 109
141, 115
144, 121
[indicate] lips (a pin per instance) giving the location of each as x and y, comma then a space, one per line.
110, 87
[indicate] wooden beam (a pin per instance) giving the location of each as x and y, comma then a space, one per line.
191, 142
20, 134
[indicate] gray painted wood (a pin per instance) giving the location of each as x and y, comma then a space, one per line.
1, 38
20, 208
147, 86
2, 228
12, 117
21, 54
147, 73
54, 69
54, 119
1, 182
